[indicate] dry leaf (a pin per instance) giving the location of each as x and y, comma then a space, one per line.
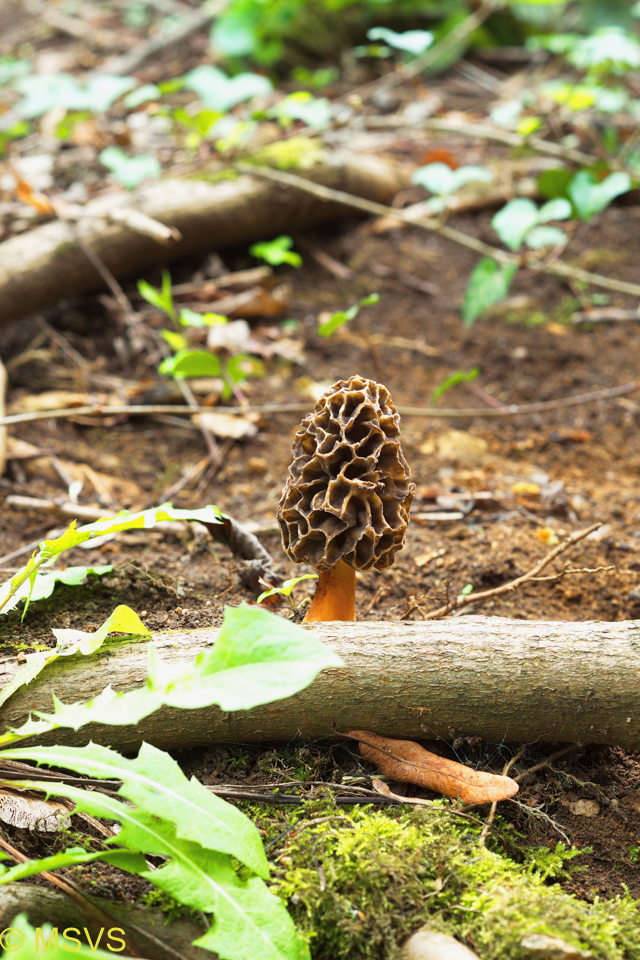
26, 194
52, 400
227, 424
31, 813
409, 762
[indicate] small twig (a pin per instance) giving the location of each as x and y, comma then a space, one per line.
548, 761
463, 601
494, 806
606, 315
559, 268
444, 413
484, 132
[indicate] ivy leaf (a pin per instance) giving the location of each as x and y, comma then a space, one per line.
591, 197
130, 171
514, 220
442, 180
411, 41
489, 283
545, 236
220, 92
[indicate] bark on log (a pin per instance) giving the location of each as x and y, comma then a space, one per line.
43, 905
499, 679
41, 266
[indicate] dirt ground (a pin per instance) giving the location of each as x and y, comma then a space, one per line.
585, 459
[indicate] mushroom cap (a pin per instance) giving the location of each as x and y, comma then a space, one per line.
348, 494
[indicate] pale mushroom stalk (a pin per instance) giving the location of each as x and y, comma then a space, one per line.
345, 506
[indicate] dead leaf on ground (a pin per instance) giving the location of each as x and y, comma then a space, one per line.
32, 813
110, 488
227, 424
409, 762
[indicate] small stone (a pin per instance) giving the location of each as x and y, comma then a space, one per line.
428, 945
541, 947
585, 808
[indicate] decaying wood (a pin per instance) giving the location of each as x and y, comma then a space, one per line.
499, 679
39, 267
157, 939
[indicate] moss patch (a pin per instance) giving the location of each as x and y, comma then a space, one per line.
359, 882
297, 153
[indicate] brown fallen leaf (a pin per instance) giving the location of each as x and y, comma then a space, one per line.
409, 762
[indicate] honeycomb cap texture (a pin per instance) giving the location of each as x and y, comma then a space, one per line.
349, 490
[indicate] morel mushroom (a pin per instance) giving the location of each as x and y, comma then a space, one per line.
345, 506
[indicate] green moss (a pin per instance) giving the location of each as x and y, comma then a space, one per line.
215, 176
359, 882
301, 153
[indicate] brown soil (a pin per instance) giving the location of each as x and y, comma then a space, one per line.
585, 458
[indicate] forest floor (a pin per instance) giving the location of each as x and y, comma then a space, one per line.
585, 459
581, 466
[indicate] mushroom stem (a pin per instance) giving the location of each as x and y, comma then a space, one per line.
335, 596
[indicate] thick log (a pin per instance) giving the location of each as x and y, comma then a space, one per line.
499, 679
41, 266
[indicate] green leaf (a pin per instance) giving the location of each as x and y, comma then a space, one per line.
315, 112
130, 171
122, 620
591, 197
545, 236
411, 41
257, 658
514, 220
66, 858
44, 91
343, 316
554, 183
155, 782
44, 583
519, 216
489, 283
219, 92
142, 94
175, 340
189, 318
443, 181
453, 380
276, 251
191, 363
287, 586
162, 298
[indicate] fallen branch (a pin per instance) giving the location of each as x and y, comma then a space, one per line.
443, 413
499, 679
46, 263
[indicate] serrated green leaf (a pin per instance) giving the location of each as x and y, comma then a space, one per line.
591, 197
249, 921
122, 620
155, 782
67, 858
489, 283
